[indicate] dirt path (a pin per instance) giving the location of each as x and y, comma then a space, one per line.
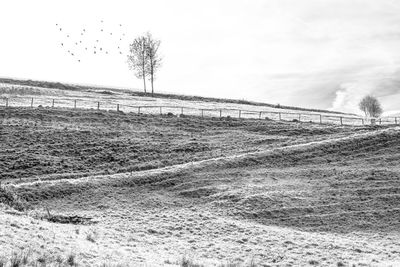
218, 161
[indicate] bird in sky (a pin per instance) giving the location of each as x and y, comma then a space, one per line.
102, 44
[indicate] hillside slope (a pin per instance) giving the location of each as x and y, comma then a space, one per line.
329, 203
77, 87
55, 143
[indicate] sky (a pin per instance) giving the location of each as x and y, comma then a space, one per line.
311, 53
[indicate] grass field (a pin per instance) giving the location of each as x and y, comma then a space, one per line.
150, 190
16, 87
16, 95
54, 143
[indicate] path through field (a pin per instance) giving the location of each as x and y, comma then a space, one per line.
226, 160
331, 202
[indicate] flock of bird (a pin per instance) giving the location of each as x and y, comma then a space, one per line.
89, 41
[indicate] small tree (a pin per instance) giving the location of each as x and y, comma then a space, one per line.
370, 106
154, 58
138, 60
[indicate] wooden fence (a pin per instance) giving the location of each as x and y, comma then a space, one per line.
314, 117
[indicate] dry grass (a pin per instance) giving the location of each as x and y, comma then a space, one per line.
187, 261
91, 236
56, 144
11, 199
101, 90
28, 258
326, 203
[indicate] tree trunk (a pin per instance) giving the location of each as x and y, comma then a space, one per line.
152, 76
152, 88
144, 75
144, 83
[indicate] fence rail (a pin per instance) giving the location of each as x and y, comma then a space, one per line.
314, 117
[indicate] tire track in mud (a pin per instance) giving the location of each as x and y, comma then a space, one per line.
214, 162
370, 204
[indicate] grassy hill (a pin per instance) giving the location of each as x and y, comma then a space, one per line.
105, 188
75, 87
50, 143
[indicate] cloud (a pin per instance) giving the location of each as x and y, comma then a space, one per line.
382, 83
312, 53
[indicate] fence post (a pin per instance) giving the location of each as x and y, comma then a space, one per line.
320, 119
52, 104
220, 113
75, 103
395, 120
380, 121
202, 113
362, 121
341, 121
32, 102
259, 115
160, 110
299, 117
7, 102
181, 110
280, 117
98, 105
240, 113
138, 110
118, 107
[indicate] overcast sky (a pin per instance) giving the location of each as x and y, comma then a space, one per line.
309, 53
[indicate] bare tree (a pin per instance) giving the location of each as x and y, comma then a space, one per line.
138, 59
370, 106
154, 58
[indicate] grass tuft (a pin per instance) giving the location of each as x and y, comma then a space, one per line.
11, 199
16, 260
71, 260
186, 262
91, 236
